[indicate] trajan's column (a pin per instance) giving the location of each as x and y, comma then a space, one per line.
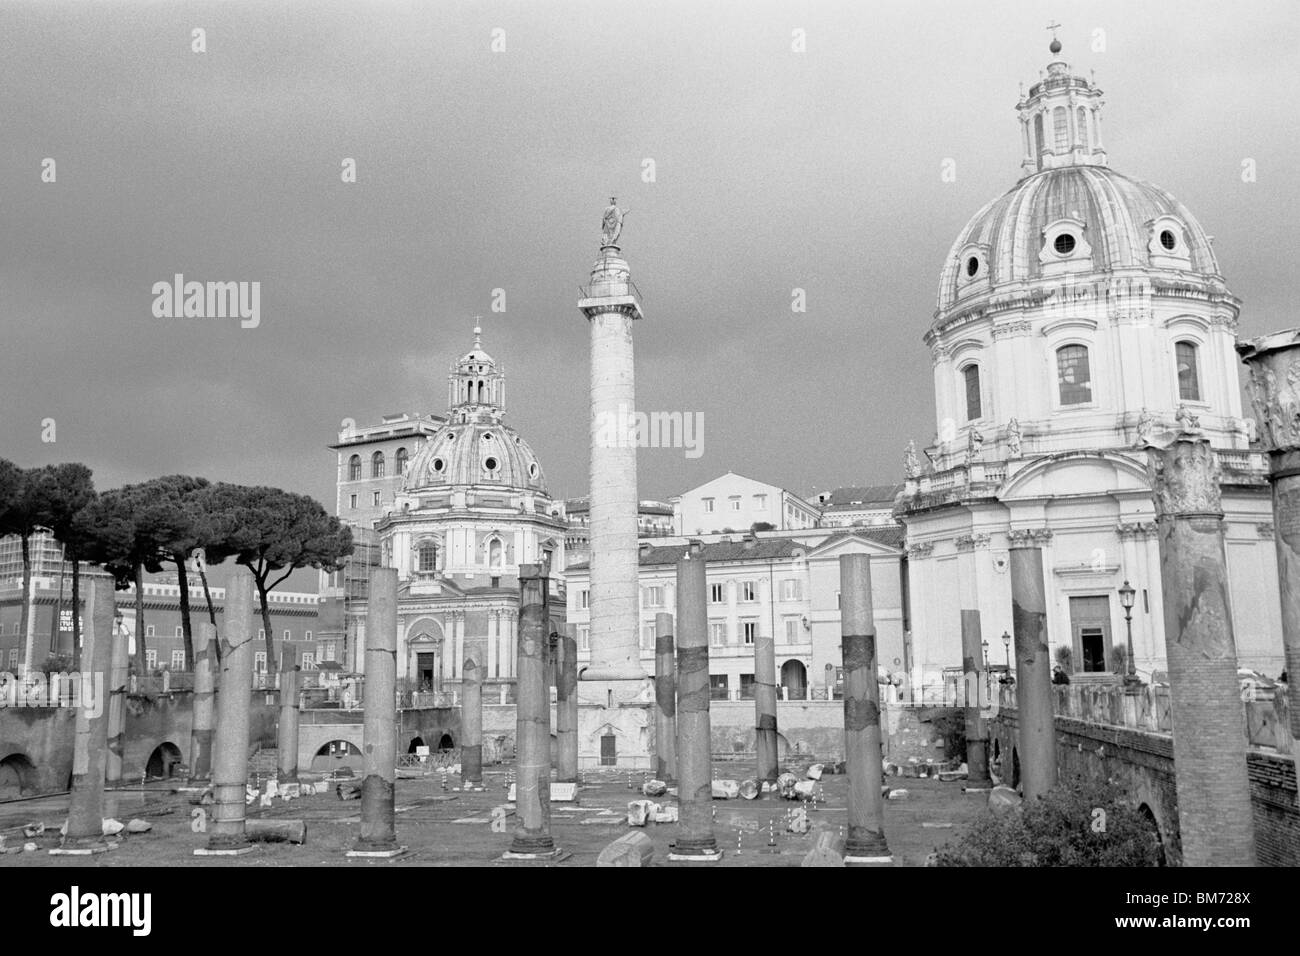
611, 687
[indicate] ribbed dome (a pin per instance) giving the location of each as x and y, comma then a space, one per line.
475, 453
1124, 225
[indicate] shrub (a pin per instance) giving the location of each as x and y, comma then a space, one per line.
1064, 828
950, 726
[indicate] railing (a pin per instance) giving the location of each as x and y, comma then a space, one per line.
429, 763
1147, 708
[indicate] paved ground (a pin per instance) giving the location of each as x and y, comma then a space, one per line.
454, 829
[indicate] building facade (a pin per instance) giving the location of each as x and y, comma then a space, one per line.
782, 584
1081, 318
734, 503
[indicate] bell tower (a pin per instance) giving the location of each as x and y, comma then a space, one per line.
476, 387
1060, 118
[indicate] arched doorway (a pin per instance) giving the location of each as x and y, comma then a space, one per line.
17, 776
335, 755
794, 678
162, 761
415, 743
446, 743
1156, 837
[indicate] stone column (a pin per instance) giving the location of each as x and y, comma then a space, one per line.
471, 712
566, 707
665, 700
287, 738
118, 678
379, 730
1037, 736
862, 755
765, 701
611, 305
532, 837
205, 694
1274, 360
230, 753
973, 678
1214, 806
695, 839
86, 802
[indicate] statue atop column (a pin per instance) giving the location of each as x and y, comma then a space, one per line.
911, 466
611, 224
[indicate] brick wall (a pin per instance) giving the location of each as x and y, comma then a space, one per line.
1273, 803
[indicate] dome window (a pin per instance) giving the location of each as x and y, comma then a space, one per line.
487, 436
972, 266
971, 379
438, 465
490, 464
1168, 240
1063, 244
532, 470
1074, 375
1189, 382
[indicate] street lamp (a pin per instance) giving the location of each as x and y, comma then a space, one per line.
1126, 595
985, 644
1006, 643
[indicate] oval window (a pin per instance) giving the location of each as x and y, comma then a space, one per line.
532, 470
972, 265
1168, 240
1064, 244
487, 436
490, 464
438, 464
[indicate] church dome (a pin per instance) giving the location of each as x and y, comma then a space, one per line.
1068, 220
475, 453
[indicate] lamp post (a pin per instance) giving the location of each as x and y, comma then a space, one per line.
1126, 595
1006, 643
985, 644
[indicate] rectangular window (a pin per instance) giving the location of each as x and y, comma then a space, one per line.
178, 660
717, 633
584, 599
735, 502
376, 499
760, 502
717, 595
718, 686
352, 502
13, 658
971, 376
791, 630
259, 662
150, 658
327, 652
261, 634
1189, 383
308, 661
647, 637
750, 630
148, 630
747, 686
654, 597
307, 636
180, 631
286, 635
708, 506
1074, 377
1061, 127
791, 589
747, 589
584, 637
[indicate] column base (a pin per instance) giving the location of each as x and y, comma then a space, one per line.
851, 859
224, 850
387, 853
552, 856
83, 849
695, 856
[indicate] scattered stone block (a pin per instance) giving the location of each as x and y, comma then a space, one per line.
654, 788
725, 790
631, 849
899, 794
348, 791
749, 789
1003, 798
663, 813
33, 829
29, 847
785, 784
804, 789
139, 826
110, 827
815, 772
936, 826
947, 776
291, 790
828, 850
638, 812
272, 788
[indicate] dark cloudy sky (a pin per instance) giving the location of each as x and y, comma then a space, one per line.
480, 170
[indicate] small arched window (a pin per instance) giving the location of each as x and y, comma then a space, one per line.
1073, 375
1189, 381
971, 379
1038, 139
1061, 129
377, 465
495, 553
428, 555
1081, 133
354, 468
400, 462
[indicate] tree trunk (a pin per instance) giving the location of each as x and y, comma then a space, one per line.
141, 665
271, 667
76, 614
212, 611
182, 578
25, 611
